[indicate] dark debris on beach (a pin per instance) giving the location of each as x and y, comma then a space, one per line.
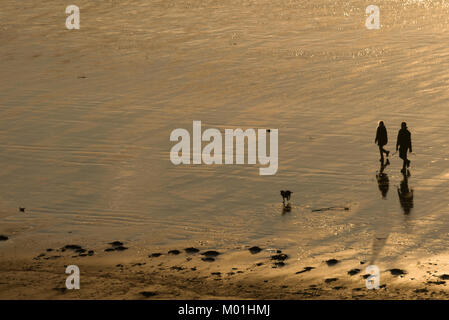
397, 272
332, 262
279, 257
254, 250
116, 246
155, 255
211, 253
353, 272
191, 250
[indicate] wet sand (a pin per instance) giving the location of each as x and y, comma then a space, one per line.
85, 120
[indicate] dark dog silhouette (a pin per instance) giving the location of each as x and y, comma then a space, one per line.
285, 195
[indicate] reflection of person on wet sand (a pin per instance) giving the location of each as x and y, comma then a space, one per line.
405, 195
381, 140
404, 143
381, 236
382, 179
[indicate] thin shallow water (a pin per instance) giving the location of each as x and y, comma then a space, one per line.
86, 118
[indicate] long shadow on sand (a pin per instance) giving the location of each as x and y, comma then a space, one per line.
381, 236
405, 194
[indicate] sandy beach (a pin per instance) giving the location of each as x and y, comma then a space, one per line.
233, 274
85, 122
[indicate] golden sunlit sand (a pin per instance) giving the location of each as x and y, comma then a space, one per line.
85, 122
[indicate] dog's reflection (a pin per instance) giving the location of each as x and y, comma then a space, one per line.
286, 208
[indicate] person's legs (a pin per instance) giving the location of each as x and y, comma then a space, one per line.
385, 151
403, 156
381, 151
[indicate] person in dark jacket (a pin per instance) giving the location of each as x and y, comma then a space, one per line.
381, 140
404, 143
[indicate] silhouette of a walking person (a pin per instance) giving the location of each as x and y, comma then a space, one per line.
404, 143
381, 140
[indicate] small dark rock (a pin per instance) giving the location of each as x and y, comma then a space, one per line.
216, 273
436, 282
174, 252
397, 272
3, 238
116, 243
191, 250
444, 277
155, 255
211, 253
254, 250
329, 280
353, 272
90, 253
49, 250
279, 257
278, 264
332, 262
109, 249
121, 248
